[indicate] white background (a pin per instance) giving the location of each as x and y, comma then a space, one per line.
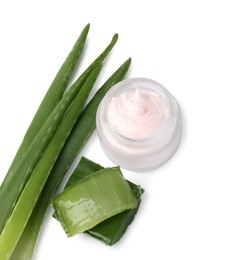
186, 46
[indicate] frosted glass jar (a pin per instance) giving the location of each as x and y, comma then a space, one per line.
147, 152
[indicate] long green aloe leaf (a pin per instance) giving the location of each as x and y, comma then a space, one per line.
51, 99
93, 199
112, 229
10, 192
56, 90
77, 138
26, 202
19, 174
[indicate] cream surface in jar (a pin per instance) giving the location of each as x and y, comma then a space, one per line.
139, 124
137, 114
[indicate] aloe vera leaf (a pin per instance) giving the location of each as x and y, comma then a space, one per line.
17, 177
56, 90
112, 229
51, 99
26, 202
93, 199
76, 140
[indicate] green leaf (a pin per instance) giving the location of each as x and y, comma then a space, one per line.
93, 199
30, 194
76, 140
21, 166
112, 229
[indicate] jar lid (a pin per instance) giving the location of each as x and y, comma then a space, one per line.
139, 124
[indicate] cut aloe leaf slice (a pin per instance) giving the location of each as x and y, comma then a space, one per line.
111, 230
93, 199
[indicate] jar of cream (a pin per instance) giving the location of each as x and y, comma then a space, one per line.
139, 124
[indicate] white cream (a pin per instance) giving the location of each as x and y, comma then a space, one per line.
139, 124
137, 114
